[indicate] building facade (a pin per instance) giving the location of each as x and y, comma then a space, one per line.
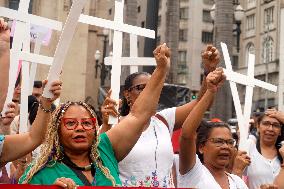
261, 36
195, 31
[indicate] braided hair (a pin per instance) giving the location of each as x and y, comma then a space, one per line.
51, 152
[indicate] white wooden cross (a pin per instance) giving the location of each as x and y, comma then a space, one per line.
250, 82
117, 25
21, 51
133, 61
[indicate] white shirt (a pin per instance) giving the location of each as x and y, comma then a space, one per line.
200, 177
261, 170
150, 161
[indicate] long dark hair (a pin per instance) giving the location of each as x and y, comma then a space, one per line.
127, 84
278, 141
203, 132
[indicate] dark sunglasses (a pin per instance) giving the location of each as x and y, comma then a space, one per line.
138, 88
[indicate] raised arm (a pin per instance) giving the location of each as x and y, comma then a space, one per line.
275, 114
18, 145
108, 108
4, 60
7, 119
188, 134
210, 59
124, 136
279, 181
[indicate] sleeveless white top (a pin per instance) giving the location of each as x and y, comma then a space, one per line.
149, 163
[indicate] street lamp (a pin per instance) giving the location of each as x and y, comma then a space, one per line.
104, 70
238, 15
97, 57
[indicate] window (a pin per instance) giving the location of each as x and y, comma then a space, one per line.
182, 57
235, 61
183, 13
109, 11
143, 24
138, 9
14, 4
250, 22
268, 50
206, 16
183, 35
207, 37
268, 15
249, 50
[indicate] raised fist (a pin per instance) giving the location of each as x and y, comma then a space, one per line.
162, 55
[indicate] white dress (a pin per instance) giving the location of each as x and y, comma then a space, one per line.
261, 170
200, 177
150, 161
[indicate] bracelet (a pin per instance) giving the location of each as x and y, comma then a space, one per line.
43, 109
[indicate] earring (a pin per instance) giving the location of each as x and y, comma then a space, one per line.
61, 152
128, 101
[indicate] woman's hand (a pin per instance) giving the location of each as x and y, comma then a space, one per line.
215, 79
9, 114
162, 55
67, 183
55, 89
275, 114
4, 32
210, 58
109, 108
242, 160
281, 150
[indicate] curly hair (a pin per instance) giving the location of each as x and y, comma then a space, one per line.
50, 149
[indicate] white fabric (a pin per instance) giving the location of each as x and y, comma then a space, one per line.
8, 168
138, 168
200, 177
261, 170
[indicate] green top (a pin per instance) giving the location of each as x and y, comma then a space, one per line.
49, 174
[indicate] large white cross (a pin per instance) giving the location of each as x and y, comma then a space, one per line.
133, 61
21, 51
250, 82
63, 44
117, 25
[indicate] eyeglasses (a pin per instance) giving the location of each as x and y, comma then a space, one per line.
220, 142
274, 125
86, 123
138, 88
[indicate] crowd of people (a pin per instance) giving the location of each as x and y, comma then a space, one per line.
65, 145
